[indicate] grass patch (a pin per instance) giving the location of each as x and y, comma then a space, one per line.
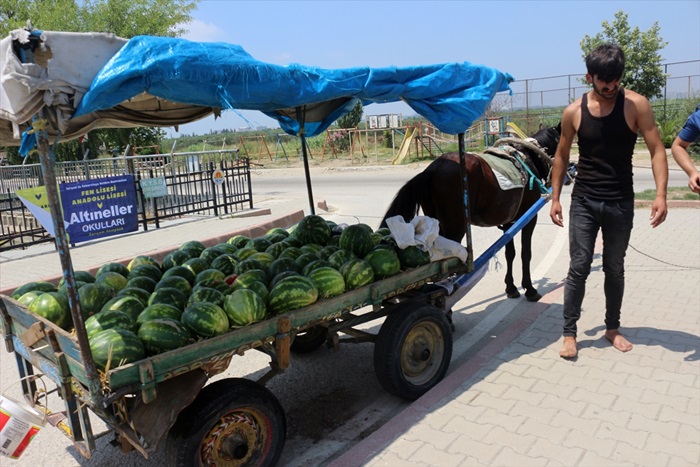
674, 193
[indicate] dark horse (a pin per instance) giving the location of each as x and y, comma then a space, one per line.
438, 191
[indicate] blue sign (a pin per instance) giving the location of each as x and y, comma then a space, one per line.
99, 208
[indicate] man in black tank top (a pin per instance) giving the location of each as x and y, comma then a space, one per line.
606, 121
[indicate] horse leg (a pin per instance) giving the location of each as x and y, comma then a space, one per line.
511, 289
526, 256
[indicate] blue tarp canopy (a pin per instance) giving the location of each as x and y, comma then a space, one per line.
451, 95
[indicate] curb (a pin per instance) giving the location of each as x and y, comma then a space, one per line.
672, 203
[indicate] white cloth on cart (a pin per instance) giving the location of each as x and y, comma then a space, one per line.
423, 232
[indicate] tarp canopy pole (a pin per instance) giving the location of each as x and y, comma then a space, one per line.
47, 159
301, 117
465, 199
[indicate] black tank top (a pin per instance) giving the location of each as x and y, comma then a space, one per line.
606, 145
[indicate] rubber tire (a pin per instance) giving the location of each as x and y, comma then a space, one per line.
413, 351
309, 340
238, 397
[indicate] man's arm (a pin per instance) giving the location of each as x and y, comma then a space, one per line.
659, 165
679, 149
561, 161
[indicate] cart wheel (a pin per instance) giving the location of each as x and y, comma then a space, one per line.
309, 340
232, 422
413, 351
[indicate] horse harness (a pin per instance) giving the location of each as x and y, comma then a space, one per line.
511, 168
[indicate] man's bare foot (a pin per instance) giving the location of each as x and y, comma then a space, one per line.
568, 350
618, 340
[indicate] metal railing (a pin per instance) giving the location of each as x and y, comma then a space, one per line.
188, 178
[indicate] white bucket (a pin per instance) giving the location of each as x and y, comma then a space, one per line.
18, 425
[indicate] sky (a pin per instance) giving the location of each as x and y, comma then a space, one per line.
528, 39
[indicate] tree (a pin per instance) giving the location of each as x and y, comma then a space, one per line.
352, 118
643, 71
125, 19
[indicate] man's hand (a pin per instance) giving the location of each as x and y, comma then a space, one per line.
556, 213
658, 212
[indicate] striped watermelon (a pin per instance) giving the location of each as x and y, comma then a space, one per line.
260, 243
80, 276
28, 298
357, 239
132, 306
174, 258
162, 335
140, 294
276, 249
341, 257
225, 263
384, 262
262, 257
305, 259
143, 282
281, 265
158, 310
209, 274
243, 280
115, 347
245, 253
312, 229
38, 286
327, 251
412, 257
181, 271
205, 319
328, 281
291, 252
211, 253
248, 264
92, 298
169, 296
114, 267
193, 245
148, 270
357, 273
291, 293
277, 231
176, 282
239, 241
109, 319
206, 294
319, 263
54, 307
282, 275
244, 306
227, 247
142, 259
111, 279
261, 289
196, 265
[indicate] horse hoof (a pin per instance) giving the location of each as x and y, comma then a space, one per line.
514, 294
533, 297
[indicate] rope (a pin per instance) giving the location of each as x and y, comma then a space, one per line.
662, 261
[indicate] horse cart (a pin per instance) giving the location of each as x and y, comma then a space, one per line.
166, 396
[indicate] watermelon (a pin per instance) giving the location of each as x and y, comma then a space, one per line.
132, 306
38, 286
376, 238
328, 281
114, 347
112, 279
248, 264
261, 289
141, 294
92, 298
331, 224
281, 276
276, 249
193, 246
305, 259
174, 258
109, 319
245, 253
291, 252
162, 335
291, 293
244, 306
327, 251
170, 296
158, 310
148, 270
275, 237
277, 231
334, 241
244, 279
239, 241
319, 263
113, 267
357, 273
292, 241
357, 239
28, 298
205, 319
206, 294
175, 282
209, 274
78, 284
227, 248
384, 262
281, 265
196, 265
142, 282
181, 271
225, 263
341, 257
220, 285
211, 253
383, 231
140, 260
82, 276
412, 257
313, 248
259, 243
54, 307
312, 229
265, 258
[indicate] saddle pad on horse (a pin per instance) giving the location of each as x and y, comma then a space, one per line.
506, 168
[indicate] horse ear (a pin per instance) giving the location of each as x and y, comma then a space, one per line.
558, 127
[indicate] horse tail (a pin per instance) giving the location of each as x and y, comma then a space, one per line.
407, 201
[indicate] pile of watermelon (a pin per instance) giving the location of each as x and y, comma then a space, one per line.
197, 292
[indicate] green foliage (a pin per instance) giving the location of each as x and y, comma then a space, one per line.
643, 71
352, 118
671, 119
